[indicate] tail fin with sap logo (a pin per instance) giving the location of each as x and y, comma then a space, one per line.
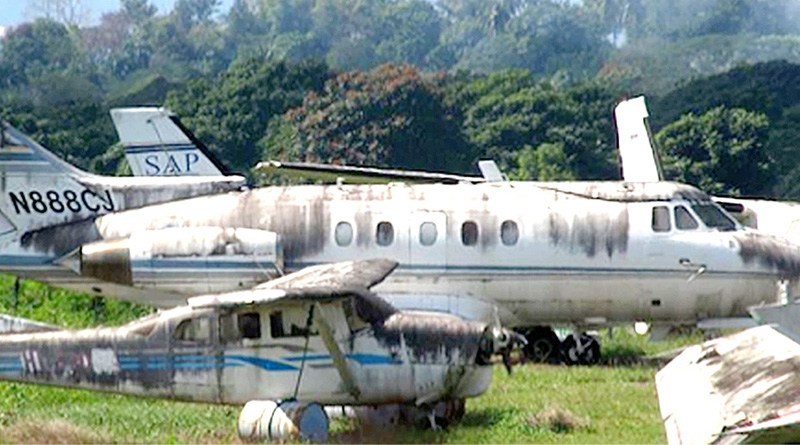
157, 144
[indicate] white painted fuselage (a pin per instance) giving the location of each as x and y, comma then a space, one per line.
582, 253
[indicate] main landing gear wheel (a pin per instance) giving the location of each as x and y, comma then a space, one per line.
585, 350
543, 346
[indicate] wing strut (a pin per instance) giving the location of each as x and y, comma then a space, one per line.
328, 337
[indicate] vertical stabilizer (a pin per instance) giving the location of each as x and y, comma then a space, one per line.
636, 149
38, 189
157, 144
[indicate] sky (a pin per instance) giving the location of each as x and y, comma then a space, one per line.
13, 12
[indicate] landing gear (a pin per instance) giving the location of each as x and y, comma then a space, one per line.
581, 349
543, 345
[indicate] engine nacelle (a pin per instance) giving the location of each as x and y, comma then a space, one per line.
265, 420
184, 260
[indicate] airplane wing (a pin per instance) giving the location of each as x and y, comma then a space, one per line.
738, 388
358, 175
320, 283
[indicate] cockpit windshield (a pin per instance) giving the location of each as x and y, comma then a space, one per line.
713, 217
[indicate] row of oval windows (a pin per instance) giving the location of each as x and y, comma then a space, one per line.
428, 233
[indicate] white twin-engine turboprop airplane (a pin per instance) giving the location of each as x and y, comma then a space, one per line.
577, 253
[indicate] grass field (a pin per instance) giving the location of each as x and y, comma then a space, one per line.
537, 403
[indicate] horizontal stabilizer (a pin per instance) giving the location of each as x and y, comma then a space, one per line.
358, 175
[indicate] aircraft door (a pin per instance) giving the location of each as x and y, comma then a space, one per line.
428, 241
195, 360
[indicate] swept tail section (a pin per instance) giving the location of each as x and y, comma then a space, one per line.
157, 144
38, 189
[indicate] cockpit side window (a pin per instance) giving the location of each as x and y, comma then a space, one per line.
196, 329
660, 221
237, 326
290, 322
713, 217
684, 220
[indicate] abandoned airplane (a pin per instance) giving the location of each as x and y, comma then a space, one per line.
317, 336
577, 253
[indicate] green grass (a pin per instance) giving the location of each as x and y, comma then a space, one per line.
610, 404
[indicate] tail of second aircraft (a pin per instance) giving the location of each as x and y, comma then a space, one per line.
636, 148
157, 144
38, 189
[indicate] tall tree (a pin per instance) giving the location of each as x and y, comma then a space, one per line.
721, 151
68, 12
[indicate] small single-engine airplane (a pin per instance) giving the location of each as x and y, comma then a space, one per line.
315, 336
574, 253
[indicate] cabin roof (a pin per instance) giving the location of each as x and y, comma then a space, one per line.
628, 191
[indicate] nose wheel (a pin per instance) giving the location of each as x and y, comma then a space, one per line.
581, 349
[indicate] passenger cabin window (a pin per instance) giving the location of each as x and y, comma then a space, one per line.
660, 221
234, 327
290, 323
509, 233
469, 233
193, 330
713, 217
427, 233
343, 234
384, 233
684, 220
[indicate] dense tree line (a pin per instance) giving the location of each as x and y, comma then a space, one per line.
424, 85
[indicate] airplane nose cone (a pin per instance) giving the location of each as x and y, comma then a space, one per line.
773, 253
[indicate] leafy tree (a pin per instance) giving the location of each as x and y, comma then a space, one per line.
508, 111
544, 38
547, 162
33, 49
231, 112
721, 151
391, 115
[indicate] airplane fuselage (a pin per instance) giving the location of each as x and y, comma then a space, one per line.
582, 253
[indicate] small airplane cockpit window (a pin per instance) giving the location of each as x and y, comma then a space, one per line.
684, 220
250, 325
234, 327
660, 222
469, 233
193, 330
290, 323
713, 217
384, 233
509, 233
343, 234
427, 233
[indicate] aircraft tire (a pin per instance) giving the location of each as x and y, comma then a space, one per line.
590, 354
543, 345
